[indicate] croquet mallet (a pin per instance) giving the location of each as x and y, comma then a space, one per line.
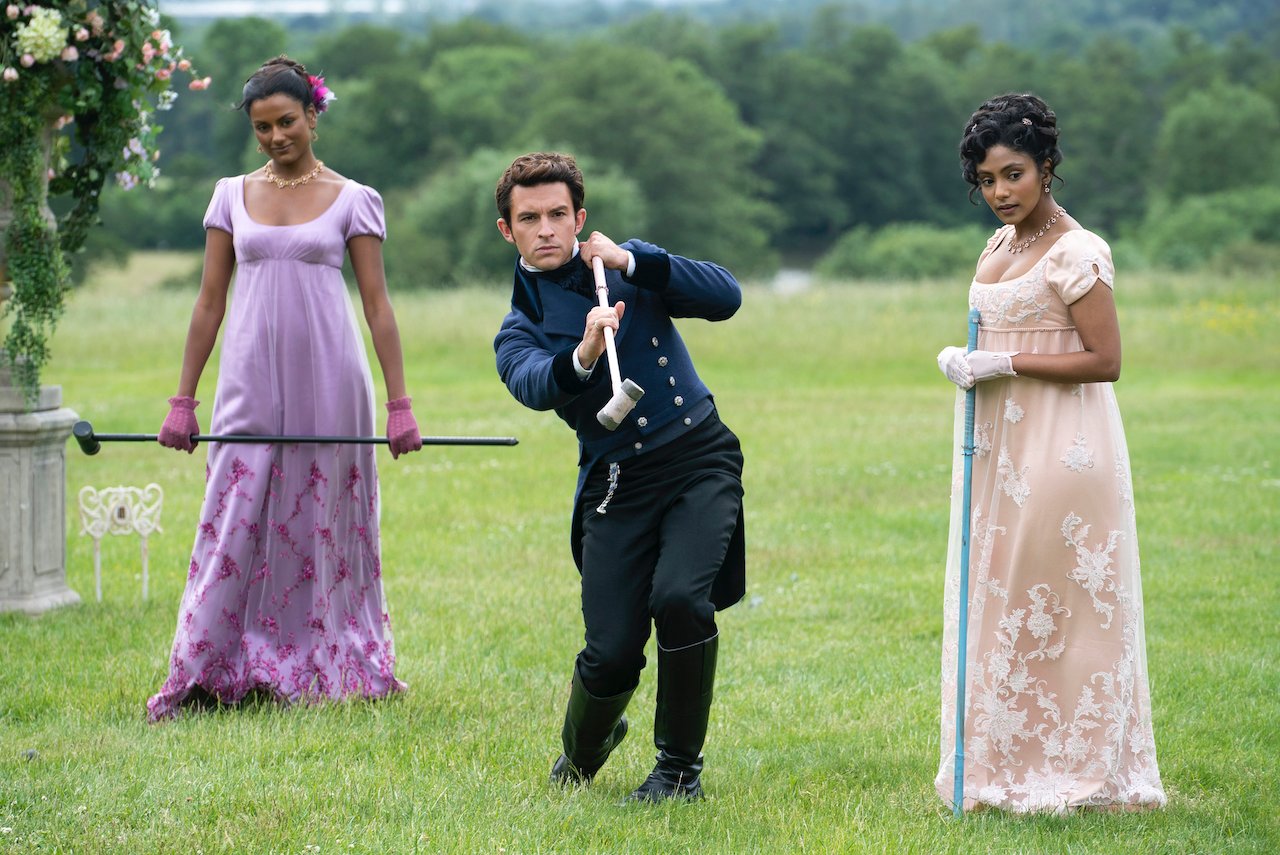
625, 392
966, 511
90, 442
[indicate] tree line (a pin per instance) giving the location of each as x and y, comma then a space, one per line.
751, 143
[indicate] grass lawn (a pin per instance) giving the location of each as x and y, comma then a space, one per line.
824, 736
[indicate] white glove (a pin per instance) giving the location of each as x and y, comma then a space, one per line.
988, 364
952, 363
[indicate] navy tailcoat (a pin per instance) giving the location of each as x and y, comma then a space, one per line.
535, 360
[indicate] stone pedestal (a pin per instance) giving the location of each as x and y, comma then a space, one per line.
33, 501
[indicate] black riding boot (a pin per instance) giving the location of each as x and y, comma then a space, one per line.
685, 680
593, 727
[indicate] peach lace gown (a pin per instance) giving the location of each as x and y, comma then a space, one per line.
1058, 710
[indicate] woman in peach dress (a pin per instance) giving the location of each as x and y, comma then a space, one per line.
1058, 713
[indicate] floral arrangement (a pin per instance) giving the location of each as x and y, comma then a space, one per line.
80, 84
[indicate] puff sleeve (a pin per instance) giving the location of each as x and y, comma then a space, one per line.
365, 215
218, 215
1077, 261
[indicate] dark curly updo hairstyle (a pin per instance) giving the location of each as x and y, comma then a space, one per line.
1022, 122
278, 75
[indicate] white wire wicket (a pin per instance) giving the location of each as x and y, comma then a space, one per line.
120, 511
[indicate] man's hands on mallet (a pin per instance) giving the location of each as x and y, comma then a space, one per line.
592, 344
615, 258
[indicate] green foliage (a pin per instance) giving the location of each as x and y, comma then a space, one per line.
676, 135
79, 92
904, 251
381, 134
479, 95
169, 216
1217, 139
753, 129
1189, 233
445, 232
235, 48
357, 50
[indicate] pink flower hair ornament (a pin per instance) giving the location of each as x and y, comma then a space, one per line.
321, 95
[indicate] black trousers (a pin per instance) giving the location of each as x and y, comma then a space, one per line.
655, 531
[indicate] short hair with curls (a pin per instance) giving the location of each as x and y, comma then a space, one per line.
279, 75
540, 167
1022, 122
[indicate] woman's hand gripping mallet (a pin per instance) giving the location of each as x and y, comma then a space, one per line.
625, 392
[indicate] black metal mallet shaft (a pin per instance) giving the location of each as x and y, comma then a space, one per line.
90, 442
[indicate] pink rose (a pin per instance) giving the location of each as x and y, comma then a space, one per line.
200, 84
185, 65
163, 74
12, 11
10, 74
70, 54
27, 60
82, 34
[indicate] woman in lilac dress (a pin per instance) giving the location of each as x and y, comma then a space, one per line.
284, 591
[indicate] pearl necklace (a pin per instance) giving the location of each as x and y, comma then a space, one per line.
290, 183
1019, 246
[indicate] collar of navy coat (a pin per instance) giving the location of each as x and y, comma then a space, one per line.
653, 272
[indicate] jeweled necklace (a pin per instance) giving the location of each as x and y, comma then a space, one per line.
290, 183
1019, 246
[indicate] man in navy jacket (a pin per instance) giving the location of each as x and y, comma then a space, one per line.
657, 529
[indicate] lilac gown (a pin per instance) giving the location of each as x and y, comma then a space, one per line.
284, 591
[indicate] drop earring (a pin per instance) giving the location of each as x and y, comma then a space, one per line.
314, 136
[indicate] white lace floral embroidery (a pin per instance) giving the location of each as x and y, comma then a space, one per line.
1027, 298
1096, 265
1078, 457
1012, 412
984, 538
1012, 481
1093, 568
982, 439
1125, 484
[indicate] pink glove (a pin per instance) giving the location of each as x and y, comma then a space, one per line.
989, 364
180, 424
402, 428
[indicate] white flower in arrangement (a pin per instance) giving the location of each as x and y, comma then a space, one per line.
43, 37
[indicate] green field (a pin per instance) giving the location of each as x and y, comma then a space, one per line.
824, 737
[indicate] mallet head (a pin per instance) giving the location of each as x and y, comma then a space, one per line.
623, 401
83, 432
